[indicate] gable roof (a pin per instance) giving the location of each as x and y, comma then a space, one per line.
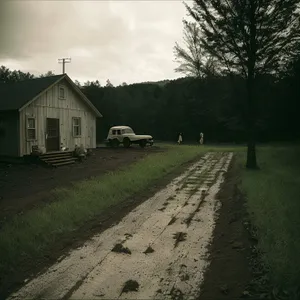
18, 95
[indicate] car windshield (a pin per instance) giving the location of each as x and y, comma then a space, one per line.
129, 131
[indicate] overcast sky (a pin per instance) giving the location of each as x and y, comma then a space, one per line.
129, 41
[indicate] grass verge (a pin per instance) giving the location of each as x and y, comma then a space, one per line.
273, 202
27, 237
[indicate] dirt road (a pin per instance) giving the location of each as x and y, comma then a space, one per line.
160, 248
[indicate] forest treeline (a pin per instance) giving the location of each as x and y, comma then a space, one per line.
212, 105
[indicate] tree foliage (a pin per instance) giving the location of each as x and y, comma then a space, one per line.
47, 74
190, 57
108, 83
6, 75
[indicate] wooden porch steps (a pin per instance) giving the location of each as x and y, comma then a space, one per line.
59, 158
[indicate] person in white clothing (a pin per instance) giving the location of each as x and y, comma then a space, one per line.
179, 139
201, 138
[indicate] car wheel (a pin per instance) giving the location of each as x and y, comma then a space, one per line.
143, 144
115, 143
126, 143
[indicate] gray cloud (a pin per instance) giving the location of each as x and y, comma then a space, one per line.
128, 41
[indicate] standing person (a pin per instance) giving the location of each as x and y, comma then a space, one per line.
201, 138
179, 139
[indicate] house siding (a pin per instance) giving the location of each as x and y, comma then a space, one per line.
48, 105
9, 140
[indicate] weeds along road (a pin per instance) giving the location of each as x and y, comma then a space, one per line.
159, 250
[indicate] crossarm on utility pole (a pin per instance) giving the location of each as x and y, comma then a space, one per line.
63, 61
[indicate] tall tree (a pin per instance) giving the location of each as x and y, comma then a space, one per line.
88, 83
47, 74
248, 37
20, 76
78, 84
108, 83
2, 130
95, 83
4, 74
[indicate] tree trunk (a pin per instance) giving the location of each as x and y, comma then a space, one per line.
251, 109
251, 150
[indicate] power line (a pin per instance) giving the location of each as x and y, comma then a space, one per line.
64, 61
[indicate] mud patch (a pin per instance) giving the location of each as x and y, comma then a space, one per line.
179, 237
183, 275
119, 248
191, 216
176, 294
128, 236
194, 190
172, 221
149, 250
130, 286
189, 219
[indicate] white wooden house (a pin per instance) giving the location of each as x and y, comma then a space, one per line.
49, 112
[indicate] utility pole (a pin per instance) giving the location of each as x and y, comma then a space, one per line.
64, 61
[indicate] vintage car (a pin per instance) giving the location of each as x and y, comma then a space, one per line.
125, 135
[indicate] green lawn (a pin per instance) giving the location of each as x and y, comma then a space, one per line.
273, 199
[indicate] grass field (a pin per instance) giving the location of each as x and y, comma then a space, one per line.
273, 199
28, 236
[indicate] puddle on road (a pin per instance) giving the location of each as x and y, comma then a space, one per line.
167, 237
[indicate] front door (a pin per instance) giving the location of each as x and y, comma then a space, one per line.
52, 134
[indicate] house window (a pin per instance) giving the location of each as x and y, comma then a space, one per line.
61, 92
31, 129
76, 127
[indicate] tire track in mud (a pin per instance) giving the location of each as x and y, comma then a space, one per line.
166, 236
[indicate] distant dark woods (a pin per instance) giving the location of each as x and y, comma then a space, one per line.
211, 105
